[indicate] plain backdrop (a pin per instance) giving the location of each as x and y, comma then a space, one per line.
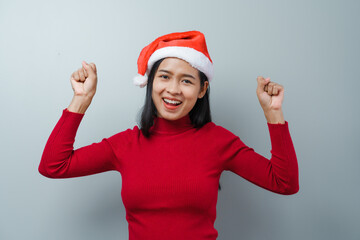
310, 47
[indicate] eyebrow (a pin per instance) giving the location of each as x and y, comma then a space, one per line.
185, 75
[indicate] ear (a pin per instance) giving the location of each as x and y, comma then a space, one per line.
203, 90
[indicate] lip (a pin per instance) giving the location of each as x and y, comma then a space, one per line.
171, 107
173, 99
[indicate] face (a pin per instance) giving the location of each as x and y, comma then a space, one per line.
176, 88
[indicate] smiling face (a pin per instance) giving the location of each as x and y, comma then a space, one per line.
176, 88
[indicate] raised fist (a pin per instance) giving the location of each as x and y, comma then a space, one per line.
270, 94
84, 80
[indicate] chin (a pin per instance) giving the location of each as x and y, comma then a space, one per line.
171, 117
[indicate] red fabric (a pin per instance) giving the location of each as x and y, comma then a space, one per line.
170, 181
190, 39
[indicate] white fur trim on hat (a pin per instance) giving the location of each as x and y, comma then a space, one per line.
140, 80
195, 58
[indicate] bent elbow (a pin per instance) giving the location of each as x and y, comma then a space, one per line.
289, 187
291, 190
43, 171
50, 172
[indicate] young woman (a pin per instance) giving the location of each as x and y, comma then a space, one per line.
171, 164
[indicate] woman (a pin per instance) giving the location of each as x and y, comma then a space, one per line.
171, 165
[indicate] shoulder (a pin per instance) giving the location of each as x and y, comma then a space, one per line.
125, 137
218, 131
220, 140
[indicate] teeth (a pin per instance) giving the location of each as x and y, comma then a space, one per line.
171, 101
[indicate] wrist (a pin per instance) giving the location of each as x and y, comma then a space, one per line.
274, 116
79, 104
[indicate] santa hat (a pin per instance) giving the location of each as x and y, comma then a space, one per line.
189, 46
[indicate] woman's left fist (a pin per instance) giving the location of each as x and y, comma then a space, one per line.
270, 94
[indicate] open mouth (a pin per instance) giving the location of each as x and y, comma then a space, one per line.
172, 102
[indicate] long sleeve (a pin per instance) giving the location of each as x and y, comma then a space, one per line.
279, 174
60, 160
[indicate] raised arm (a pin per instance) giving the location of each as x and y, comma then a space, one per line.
59, 159
279, 173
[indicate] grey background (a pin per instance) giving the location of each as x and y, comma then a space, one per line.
310, 47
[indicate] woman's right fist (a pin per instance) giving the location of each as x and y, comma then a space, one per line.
84, 80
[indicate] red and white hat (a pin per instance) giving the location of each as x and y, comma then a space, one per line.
189, 46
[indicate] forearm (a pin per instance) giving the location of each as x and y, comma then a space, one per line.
283, 158
59, 147
274, 116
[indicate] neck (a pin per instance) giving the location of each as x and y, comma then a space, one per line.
164, 126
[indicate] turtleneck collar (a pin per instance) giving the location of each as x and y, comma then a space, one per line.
163, 126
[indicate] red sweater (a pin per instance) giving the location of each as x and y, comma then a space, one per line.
170, 180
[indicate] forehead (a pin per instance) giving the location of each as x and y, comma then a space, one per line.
177, 65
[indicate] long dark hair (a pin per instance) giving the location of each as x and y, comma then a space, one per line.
199, 115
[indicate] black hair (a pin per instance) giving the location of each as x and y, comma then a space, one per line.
199, 115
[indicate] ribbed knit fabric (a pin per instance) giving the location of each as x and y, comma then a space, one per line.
170, 180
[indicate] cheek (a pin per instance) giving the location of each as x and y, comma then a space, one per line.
155, 90
191, 95
157, 87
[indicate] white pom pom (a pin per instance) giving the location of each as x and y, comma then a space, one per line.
140, 80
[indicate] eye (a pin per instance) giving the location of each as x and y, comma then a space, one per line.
164, 76
187, 81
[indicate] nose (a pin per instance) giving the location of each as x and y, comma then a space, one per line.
173, 87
